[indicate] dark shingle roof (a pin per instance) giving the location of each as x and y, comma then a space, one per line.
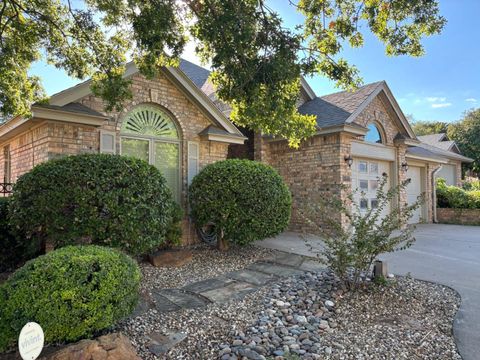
197, 74
431, 139
335, 109
213, 130
72, 108
444, 153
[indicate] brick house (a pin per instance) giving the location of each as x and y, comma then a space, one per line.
360, 135
170, 122
176, 123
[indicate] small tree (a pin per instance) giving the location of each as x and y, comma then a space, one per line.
351, 245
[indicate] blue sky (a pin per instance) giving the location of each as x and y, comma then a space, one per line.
438, 86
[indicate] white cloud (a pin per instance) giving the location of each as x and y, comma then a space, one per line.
471, 100
434, 99
441, 105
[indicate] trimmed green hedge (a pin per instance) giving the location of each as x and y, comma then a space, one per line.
449, 196
101, 199
11, 251
247, 200
72, 293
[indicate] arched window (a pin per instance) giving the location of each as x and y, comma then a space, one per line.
148, 133
373, 134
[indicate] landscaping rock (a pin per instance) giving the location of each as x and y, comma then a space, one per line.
160, 344
170, 258
113, 346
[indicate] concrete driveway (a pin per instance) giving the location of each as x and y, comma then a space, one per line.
446, 254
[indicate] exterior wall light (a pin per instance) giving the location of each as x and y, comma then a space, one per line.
348, 159
405, 166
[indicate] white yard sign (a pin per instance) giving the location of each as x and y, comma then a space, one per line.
30, 341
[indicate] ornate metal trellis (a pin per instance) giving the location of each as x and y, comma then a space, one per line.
6, 189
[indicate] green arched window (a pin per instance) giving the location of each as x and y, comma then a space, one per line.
150, 134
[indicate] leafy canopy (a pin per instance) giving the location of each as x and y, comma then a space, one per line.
429, 127
466, 134
257, 62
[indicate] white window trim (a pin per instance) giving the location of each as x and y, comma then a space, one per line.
108, 151
196, 157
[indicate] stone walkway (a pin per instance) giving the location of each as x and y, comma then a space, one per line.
234, 285
231, 286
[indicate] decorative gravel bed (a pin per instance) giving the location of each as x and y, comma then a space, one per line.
311, 318
207, 263
303, 317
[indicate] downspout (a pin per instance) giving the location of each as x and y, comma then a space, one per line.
434, 194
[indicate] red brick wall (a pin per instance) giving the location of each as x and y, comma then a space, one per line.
458, 216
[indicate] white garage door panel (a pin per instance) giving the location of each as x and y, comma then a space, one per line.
365, 177
414, 190
448, 172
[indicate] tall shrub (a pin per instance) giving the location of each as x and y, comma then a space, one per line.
351, 247
245, 200
449, 196
100, 199
11, 250
72, 293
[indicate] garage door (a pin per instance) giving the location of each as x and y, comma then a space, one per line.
365, 177
448, 172
414, 190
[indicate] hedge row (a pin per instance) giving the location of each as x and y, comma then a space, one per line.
449, 196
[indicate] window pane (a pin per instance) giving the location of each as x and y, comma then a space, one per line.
373, 185
167, 161
374, 203
363, 185
135, 148
363, 204
373, 168
362, 167
373, 135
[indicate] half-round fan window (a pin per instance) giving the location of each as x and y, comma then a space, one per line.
151, 135
373, 135
149, 120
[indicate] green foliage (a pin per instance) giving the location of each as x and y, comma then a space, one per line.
257, 62
471, 185
429, 127
174, 231
107, 200
466, 134
72, 293
350, 249
11, 250
449, 196
246, 200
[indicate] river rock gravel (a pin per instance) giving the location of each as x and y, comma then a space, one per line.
312, 317
308, 316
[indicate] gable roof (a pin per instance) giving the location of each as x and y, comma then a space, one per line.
432, 139
441, 141
180, 78
343, 107
75, 108
197, 74
444, 153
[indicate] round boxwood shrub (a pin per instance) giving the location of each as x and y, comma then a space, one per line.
246, 200
100, 199
71, 292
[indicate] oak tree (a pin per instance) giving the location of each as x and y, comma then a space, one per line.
257, 61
